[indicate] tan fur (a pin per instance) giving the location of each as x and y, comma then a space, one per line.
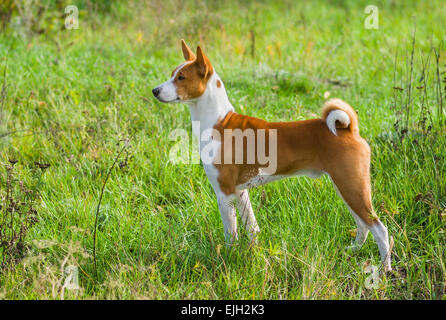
302, 145
187, 52
307, 144
192, 79
338, 104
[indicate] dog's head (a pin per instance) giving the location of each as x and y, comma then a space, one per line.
188, 80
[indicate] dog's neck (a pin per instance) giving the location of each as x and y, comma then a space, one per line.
212, 106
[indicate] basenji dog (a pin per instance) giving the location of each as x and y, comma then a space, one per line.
329, 145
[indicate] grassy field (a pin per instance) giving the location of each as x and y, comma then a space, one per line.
73, 99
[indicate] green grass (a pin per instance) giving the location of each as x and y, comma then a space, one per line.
73, 95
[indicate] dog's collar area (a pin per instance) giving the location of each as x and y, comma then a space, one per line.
227, 117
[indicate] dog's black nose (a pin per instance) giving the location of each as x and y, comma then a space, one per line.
156, 91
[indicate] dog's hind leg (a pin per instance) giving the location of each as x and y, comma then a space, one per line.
381, 236
361, 228
352, 180
361, 231
247, 214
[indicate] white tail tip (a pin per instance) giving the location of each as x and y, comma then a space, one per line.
337, 115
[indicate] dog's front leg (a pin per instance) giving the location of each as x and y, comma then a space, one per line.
228, 215
247, 214
226, 205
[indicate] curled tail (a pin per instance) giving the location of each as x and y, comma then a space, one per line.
339, 114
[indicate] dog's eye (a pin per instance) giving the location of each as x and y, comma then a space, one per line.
180, 77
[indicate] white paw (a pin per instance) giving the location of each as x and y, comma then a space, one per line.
231, 239
353, 248
387, 267
253, 231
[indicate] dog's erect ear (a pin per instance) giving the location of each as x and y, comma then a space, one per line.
204, 65
187, 52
